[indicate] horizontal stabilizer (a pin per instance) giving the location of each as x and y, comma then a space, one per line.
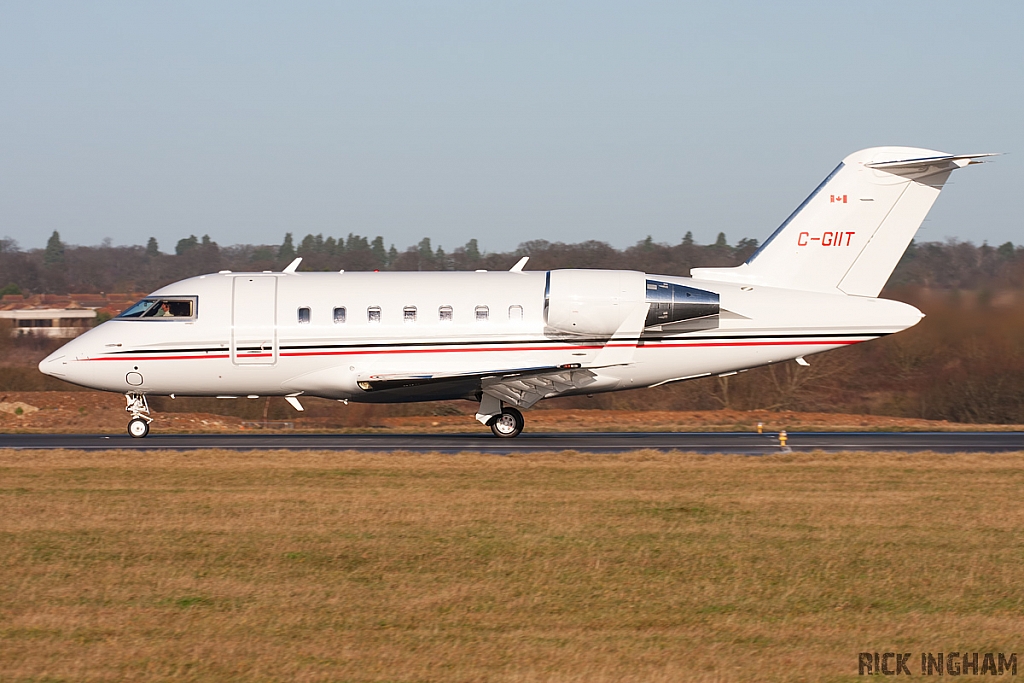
948, 162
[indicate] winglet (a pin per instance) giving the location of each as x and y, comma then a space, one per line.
291, 267
518, 267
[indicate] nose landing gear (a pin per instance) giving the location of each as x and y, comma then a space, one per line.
138, 408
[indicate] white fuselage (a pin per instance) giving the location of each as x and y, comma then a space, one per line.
246, 337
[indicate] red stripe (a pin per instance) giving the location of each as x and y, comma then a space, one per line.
574, 348
500, 349
770, 343
134, 358
506, 348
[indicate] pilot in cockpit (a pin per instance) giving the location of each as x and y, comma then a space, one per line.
170, 309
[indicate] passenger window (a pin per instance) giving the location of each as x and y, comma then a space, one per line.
373, 314
339, 315
515, 313
482, 313
304, 315
444, 314
409, 314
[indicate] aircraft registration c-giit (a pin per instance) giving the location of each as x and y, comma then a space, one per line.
509, 339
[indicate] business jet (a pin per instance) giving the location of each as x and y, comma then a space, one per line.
506, 340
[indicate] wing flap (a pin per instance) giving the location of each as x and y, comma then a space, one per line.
520, 387
526, 391
395, 381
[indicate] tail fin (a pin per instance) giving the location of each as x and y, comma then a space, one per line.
851, 232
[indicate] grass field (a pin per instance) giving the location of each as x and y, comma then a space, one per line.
221, 566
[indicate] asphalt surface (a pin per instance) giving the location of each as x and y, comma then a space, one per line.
701, 442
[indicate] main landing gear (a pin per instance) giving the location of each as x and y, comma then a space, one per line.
138, 407
505, 421
509, 424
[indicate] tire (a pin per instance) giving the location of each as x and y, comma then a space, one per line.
509, 424
138, 428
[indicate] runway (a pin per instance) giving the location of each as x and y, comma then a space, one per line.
592, 442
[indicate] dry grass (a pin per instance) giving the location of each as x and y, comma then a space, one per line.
213, 565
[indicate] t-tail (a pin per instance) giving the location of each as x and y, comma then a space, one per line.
850, 233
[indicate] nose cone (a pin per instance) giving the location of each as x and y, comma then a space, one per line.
54, 364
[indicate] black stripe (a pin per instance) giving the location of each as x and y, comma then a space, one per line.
222, 349
503, 342
576, 341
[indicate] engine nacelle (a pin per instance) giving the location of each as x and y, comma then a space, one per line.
592, 302
678, 308
597, 302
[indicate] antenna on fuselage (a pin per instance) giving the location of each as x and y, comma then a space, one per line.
518, 267
290, 268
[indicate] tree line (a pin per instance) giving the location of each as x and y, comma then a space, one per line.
964, 362
60, 268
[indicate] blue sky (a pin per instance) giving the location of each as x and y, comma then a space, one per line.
499, 121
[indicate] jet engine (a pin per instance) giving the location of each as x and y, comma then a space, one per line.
592, 302
677, 308
597, 302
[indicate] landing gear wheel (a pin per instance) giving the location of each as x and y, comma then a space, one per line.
509, 424
137, 406
138, 428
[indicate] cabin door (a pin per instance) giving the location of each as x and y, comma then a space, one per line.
254, 320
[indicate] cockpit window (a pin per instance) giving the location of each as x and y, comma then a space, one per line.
178, 308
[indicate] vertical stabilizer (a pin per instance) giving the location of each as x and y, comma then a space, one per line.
850, 233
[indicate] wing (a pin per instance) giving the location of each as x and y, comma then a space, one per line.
521, 387
524, 391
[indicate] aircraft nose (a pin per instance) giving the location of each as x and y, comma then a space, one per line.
53, 364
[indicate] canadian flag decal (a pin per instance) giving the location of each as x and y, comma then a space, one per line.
837, 198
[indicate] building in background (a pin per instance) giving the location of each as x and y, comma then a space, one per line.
60, 316
50, 322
